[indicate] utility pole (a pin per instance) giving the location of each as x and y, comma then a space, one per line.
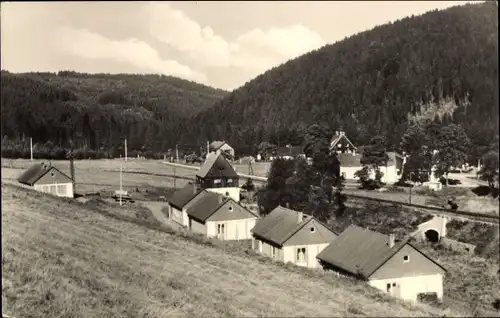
176, 153
208, 147
125, 149
411, 186
121, 181
31, 148
175, 180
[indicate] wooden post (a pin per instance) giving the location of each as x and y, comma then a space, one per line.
121, 181
31, 148
176, 153
125, 149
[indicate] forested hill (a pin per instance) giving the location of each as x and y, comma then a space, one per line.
96, 111
372, 82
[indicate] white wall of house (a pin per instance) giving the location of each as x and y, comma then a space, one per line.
348, 172
233, 193
230, 230
58, 189
390, 173
292, 254
179, 216
408, 288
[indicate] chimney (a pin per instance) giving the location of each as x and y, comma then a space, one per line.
300, 217
336, 132
391, 240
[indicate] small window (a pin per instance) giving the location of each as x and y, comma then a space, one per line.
227, 194
52, 174
312, 229
230, 180
393, 284
230, 209
388, 287
406, 258
274, 251
217, 181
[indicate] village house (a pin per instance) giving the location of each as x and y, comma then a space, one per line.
289, 152
217, 175
46, 178
180, 201
221, 146
291, 236
341, 144
350, 163
396, 267
215, 215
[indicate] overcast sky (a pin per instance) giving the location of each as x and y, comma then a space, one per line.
221, 44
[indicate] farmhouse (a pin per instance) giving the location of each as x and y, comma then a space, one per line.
46, 178
350, 163
395, 267
290, 236
221, 146
217, 175
214, 215
289, 152
341, 144
181, 201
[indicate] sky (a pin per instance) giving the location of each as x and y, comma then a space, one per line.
221, 44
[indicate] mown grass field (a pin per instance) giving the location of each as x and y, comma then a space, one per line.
96, 175
62, 258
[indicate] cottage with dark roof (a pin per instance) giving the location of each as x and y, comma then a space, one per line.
46, 178
291, 236
217, 175
220, 146
396, 267
180, 201
215, 215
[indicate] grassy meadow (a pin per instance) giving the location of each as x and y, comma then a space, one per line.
63, 258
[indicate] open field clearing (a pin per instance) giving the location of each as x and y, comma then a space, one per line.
67, 259
96, 175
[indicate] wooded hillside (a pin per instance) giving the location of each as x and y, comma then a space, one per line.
97, 111
372, 83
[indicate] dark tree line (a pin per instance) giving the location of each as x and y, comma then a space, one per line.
369, 84
95, 113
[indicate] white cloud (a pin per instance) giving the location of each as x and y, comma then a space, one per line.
88, 45
255, 51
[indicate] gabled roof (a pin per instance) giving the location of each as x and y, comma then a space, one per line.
209, 204
206, 206
35, 172
215, 145
216, 166
338, 137
362, 252
183, 196
349, 160
279, 225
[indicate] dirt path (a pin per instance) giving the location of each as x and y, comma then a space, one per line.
156, 209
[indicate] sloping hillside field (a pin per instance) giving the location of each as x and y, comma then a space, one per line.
66, 259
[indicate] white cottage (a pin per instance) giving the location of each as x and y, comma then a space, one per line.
395, 267
221, 146
291, 236
214, 215
181, 201
46, 178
